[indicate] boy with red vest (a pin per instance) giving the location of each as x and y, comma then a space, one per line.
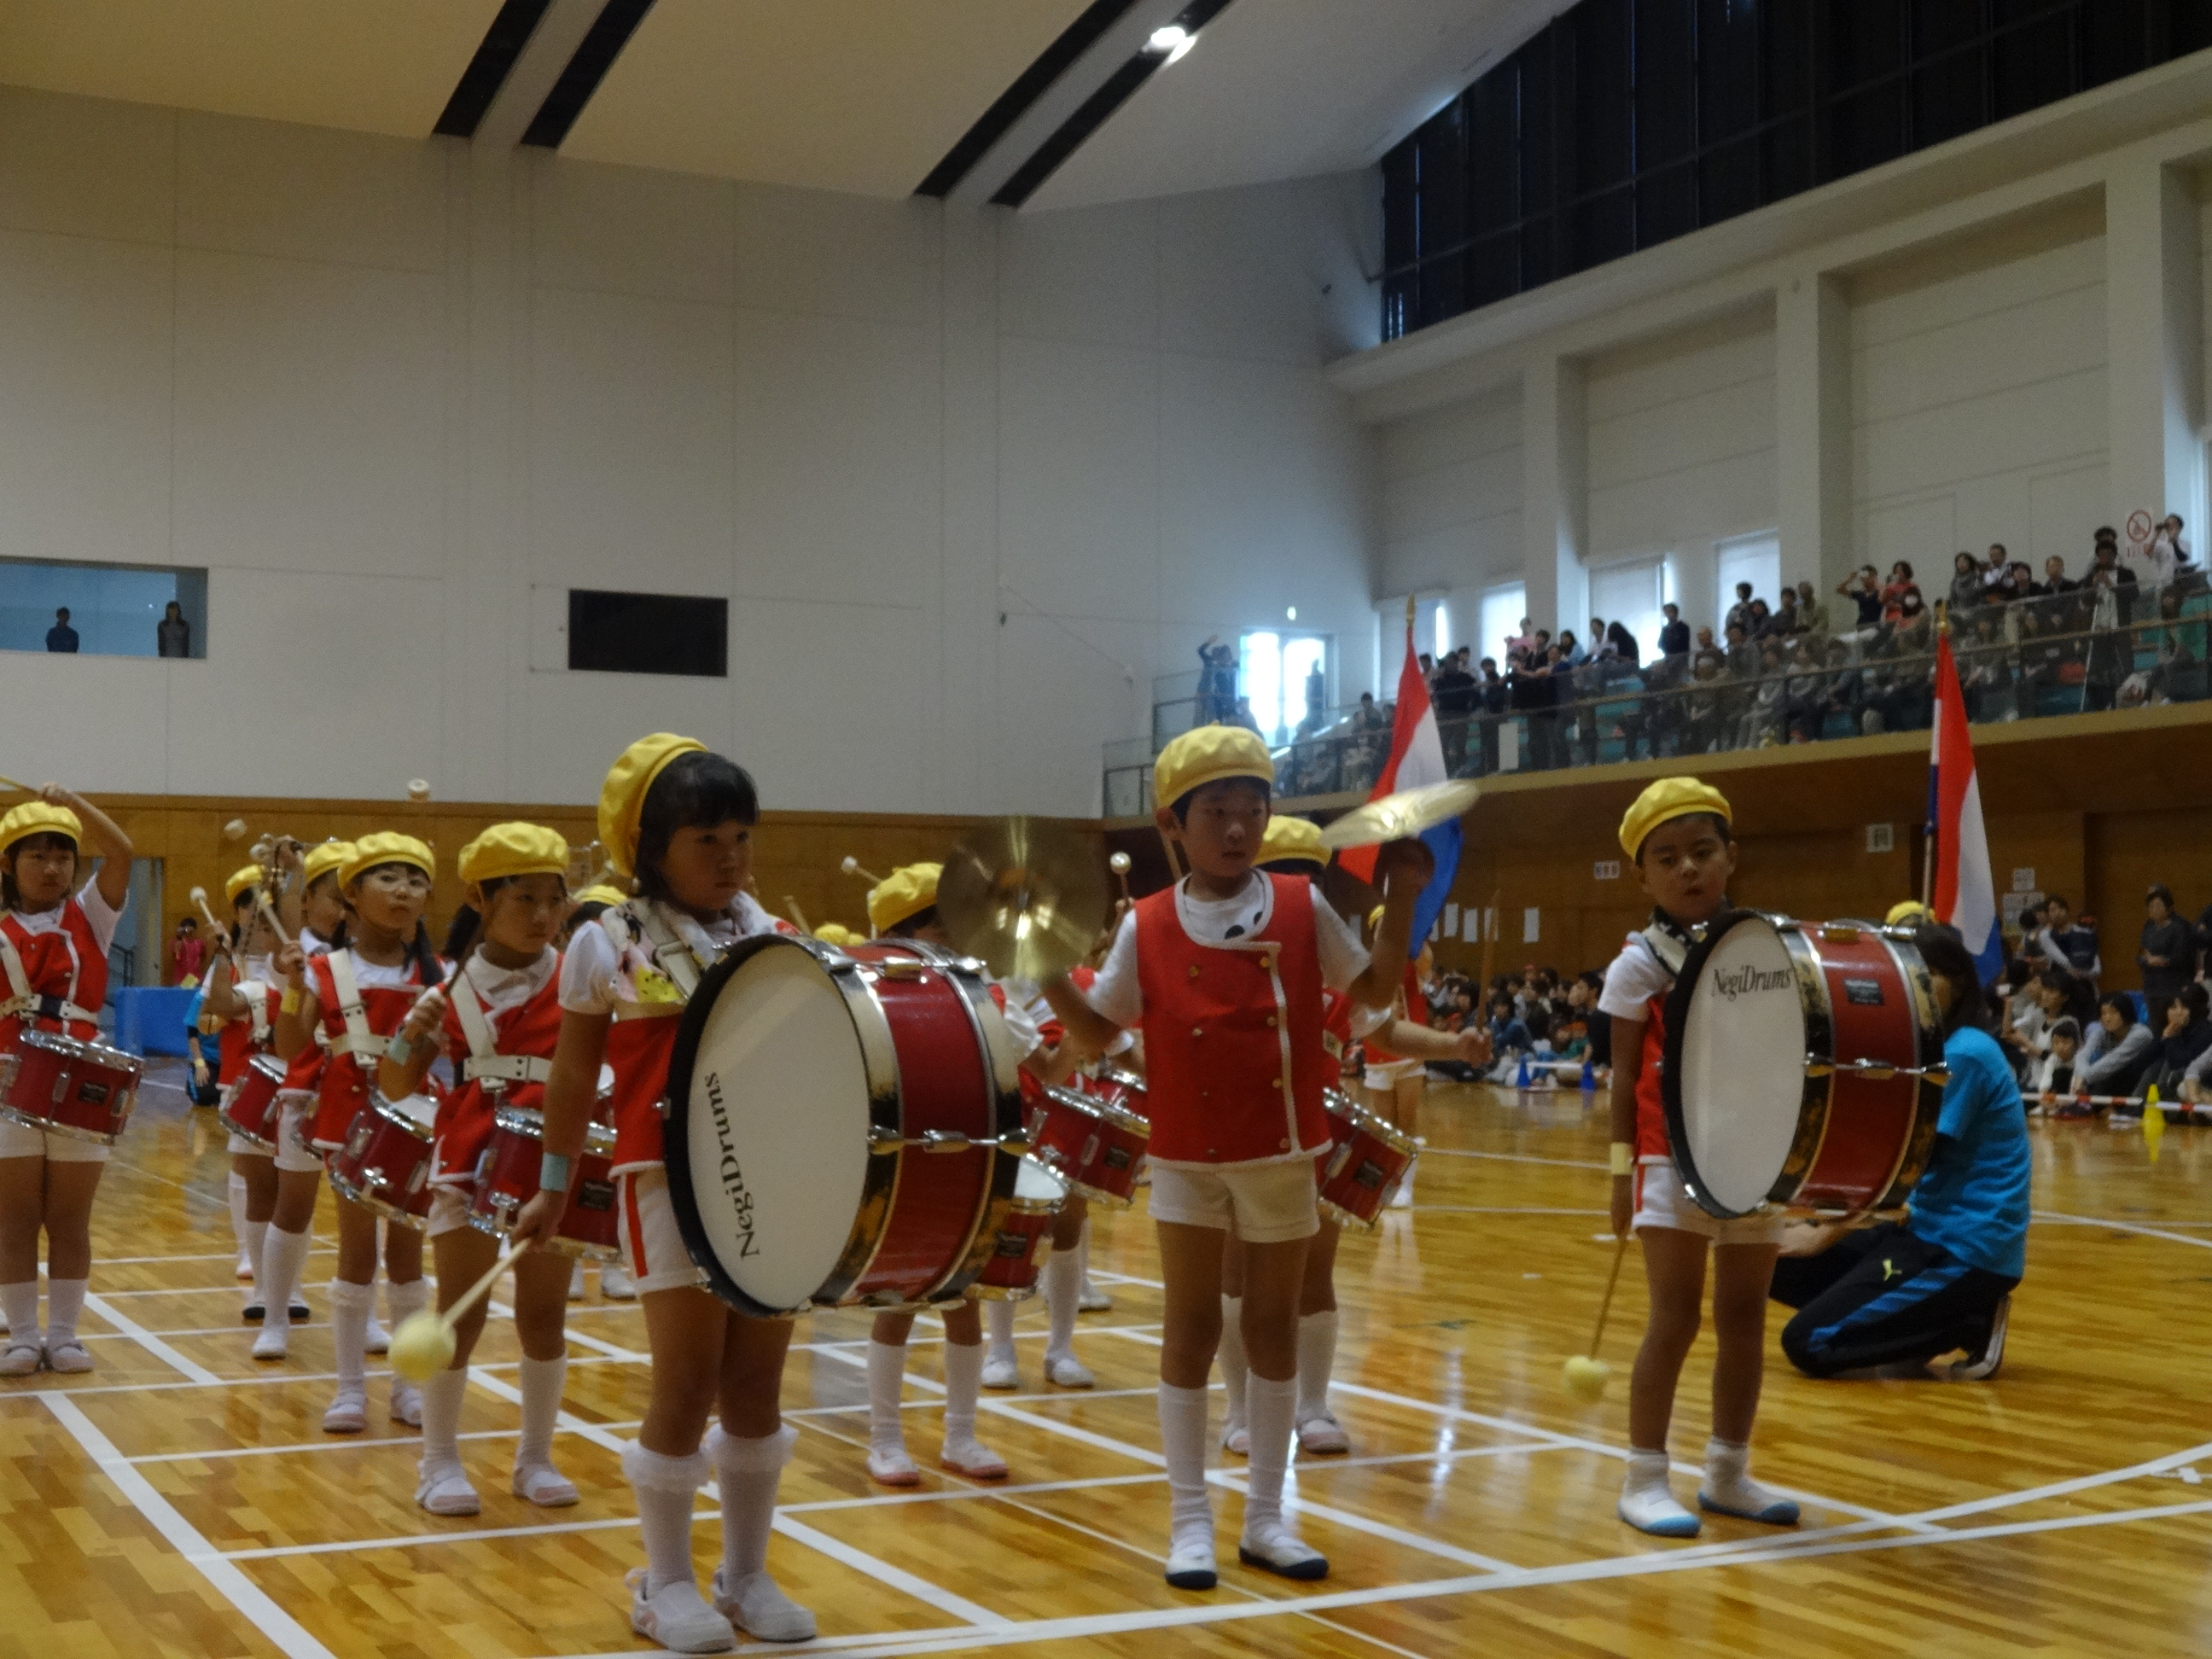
1225, 972
1677, 833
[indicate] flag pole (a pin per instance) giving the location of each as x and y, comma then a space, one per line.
1927, 841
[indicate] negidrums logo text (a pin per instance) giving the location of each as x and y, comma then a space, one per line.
1734, 983
727, 1170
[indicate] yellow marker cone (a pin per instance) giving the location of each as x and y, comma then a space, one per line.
2154, 1123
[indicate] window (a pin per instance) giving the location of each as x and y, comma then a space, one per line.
1502, 607
114, 610
648, 633
1277, 674
1631, 594
1753, 559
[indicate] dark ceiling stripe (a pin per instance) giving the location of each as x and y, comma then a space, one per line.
1014, 102
487, 70
1096, 110
595, 55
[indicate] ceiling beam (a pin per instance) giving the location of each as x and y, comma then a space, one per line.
552, 45
595, 54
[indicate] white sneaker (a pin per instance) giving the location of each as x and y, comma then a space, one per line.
891, 1466
348, 1413
275, 1342
1093, 1300
1323, 1436
406, 1404
543, 1485
677, 1617
757, 1605
999, 1369
615, 1284
244, 1268
576, 1281
1236, 1438
1066, 1371
1190, 1564
1283, 1552
24, 1355
68, 1357
448, 1492
972, 1458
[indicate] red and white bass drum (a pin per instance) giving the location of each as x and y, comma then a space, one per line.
1804, 1066
844, 1126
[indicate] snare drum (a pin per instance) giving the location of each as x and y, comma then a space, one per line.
1804, 1066
506, 1179
385, 1161
1025, 1237
1368, 1159
251, 1113
835, 1122
1088, 1142
68, 1086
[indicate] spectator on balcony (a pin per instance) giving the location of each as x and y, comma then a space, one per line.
1967, 582
1621, 645
1812, 611
2165, 956
2054, 579
1704, 712
1913, 625
1758, 621
61, 636
1453, 695
1995, 564
2014, 584
1985, 673
1493, 694
2106, 570
1893, 591
1674, 633
1804, 705
172, 635
2112, 648
1739, 614
1571, 651
1864, 590
1785, 622
1217, 681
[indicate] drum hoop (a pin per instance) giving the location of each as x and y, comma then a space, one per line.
851, 978
1928, 1095
1374, 1123
1126, 1080
67, 1130
1670, 1066
383, 1206
388, 1110
1097, 1106
1344, 1217
519, 1121
1816, 1105
70, 1047
269, 1065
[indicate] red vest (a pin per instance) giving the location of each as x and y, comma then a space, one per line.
532, 1026
1234, 1061
640, 1050
1650, 1105
344, 1090
235, 1039
67, 964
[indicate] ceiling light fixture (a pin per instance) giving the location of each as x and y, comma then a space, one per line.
1171, 42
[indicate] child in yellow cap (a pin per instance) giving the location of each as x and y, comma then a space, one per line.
243, 997
55, 929
1225, 972
356, 995
1678, 834
676, 823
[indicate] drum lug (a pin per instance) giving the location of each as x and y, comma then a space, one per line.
902, 968
1819, 1066
881, 1140
945, 1140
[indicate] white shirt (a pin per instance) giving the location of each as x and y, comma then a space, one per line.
592, 980
98, 914
1116, 994
1636, 976
395, 977
501, 988
312, 944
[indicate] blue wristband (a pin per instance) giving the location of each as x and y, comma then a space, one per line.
553, 1172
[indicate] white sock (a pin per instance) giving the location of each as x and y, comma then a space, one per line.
749, 1471
999, 1326
963, 1383
257, 1241
1182, 1437
1063, 1299
886, 1372
541, 1382
237, 1222
665, 1489
65, 1303
1273, 1402
403, 1299
349, 1307
441, 1421
1647, 1502
1234, 1369
22, 1301
1317, 1360
1728, 1483
283, 1255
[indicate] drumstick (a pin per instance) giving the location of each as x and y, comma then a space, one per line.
424, 1344
1584, 1375
797, 915
12, 784
851, 866
269, 913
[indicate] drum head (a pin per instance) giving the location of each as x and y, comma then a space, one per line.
1734, 1078
1038, 1185
766, 1140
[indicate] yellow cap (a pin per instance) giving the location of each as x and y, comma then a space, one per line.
37, 817
833, 932
387, 846
1907, 913
621, 797
240, 880
1288, 838
906, 892
515, 849
601, 893
1669, 798
322, 859
1207, 754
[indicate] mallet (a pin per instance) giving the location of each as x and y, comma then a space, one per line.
423, 1345
1584, 1375
851, 866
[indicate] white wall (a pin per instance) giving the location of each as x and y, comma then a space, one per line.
969, 481
1449, 480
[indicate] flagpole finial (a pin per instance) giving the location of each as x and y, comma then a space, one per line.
1942, 619
1413, 604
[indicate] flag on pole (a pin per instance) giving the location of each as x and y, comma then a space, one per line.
1964, 895
1417, 757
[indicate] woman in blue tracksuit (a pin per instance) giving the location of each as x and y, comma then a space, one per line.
1942, 1279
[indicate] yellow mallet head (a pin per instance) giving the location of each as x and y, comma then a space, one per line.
1581, 1376
422, 1346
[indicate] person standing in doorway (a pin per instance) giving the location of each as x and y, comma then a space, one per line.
61, 636
172, 635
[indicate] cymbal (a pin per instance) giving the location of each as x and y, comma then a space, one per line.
1396, 816
1028, 898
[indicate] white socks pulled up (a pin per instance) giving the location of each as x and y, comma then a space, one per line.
1190, 1508
1268, 1542
749, 1472
1236, 1434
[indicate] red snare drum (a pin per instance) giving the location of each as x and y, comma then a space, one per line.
1368, 1159
506, 1179
385, 1161
67, 1086
251, 1113
1804, 1066
1024, 1237
834, 1118
1090, 1143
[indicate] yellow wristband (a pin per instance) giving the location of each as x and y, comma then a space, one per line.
1622, 1155
289, 1003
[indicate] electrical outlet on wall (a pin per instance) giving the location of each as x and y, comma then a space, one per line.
1881, 838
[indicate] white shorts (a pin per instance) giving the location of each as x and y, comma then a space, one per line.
1261, 1203
20, 1140
293, 1152
1662, 1201
653, 1244
449, 1209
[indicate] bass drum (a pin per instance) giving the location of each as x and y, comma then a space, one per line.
1804, 1066
831, 1122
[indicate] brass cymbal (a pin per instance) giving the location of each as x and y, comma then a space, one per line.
1027, 897
1400, 815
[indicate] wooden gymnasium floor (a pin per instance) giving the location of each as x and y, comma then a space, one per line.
182, 1500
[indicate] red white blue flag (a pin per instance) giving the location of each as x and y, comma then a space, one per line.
1965, 893
1416, 758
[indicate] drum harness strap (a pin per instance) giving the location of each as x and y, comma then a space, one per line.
682, 953
27, 1002
485, 1063
254, 993
1669, 940
358, 1039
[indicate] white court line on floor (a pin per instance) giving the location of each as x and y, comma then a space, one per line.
1497, 1209
318, 1249
2123, 1227
253, 1603
145, 1338
1510, 1157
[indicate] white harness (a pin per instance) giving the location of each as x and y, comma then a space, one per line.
485, 1063
24, 1000
680, 950
358, 1040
